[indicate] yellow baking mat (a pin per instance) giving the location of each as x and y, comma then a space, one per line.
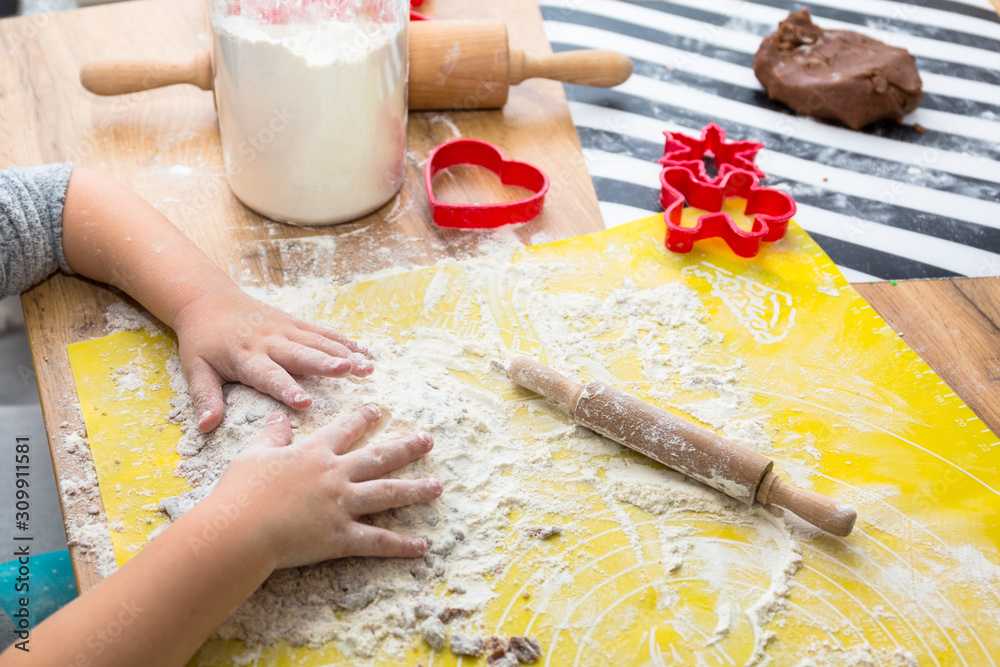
848, 403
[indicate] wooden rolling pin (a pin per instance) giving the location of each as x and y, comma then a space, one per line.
453, 65
697, 452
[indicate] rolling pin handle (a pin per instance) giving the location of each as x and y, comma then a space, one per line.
587, 67
546, 381
834, 517
119, 77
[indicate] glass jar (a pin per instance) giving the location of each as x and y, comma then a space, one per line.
312, 104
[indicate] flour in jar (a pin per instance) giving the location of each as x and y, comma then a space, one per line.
312, 115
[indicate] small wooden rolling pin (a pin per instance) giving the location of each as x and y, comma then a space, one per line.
734, 470
453, 65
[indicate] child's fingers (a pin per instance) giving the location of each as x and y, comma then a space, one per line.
340, 434
314, 340
375, 461
384, 494
361, 366
206, 391
372, 541
302, 360
277, 432
263, 374
334, 335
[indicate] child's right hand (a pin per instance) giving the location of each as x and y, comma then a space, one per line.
303, 500
276, 505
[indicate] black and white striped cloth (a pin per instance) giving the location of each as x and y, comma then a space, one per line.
886, 202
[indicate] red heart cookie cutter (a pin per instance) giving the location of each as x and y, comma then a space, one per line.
485, 216
771, 209
684, 151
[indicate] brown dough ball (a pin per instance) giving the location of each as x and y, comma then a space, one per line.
837, 74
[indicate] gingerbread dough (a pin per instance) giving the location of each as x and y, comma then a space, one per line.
836, 74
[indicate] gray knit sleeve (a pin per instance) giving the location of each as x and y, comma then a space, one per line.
31, 207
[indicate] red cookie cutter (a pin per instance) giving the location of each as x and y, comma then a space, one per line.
484, 216
684, 151
417, 16
771, 209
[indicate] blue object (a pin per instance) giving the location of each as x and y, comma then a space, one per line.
51, 585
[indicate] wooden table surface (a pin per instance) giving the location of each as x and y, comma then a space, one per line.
165, 145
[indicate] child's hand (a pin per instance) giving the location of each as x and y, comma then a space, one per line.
229, 336
112, 235
276, 505
303, 500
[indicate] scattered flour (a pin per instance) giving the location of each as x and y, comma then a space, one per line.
87, 531
483, 457
370, 605
434, 632
828, 654
399, 208
123, 317
774, 601
462, 644
445, 119
725, 613
825, 284
178, 170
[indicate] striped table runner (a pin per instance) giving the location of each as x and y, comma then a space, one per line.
885, 203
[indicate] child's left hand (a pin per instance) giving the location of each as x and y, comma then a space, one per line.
229, 336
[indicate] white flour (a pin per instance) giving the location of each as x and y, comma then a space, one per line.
482, 458
495, 511
87, 530
312, 117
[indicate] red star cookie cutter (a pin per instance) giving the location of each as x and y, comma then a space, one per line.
684, 151
511, 172
771, 209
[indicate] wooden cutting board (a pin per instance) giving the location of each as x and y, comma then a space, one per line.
165, 145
